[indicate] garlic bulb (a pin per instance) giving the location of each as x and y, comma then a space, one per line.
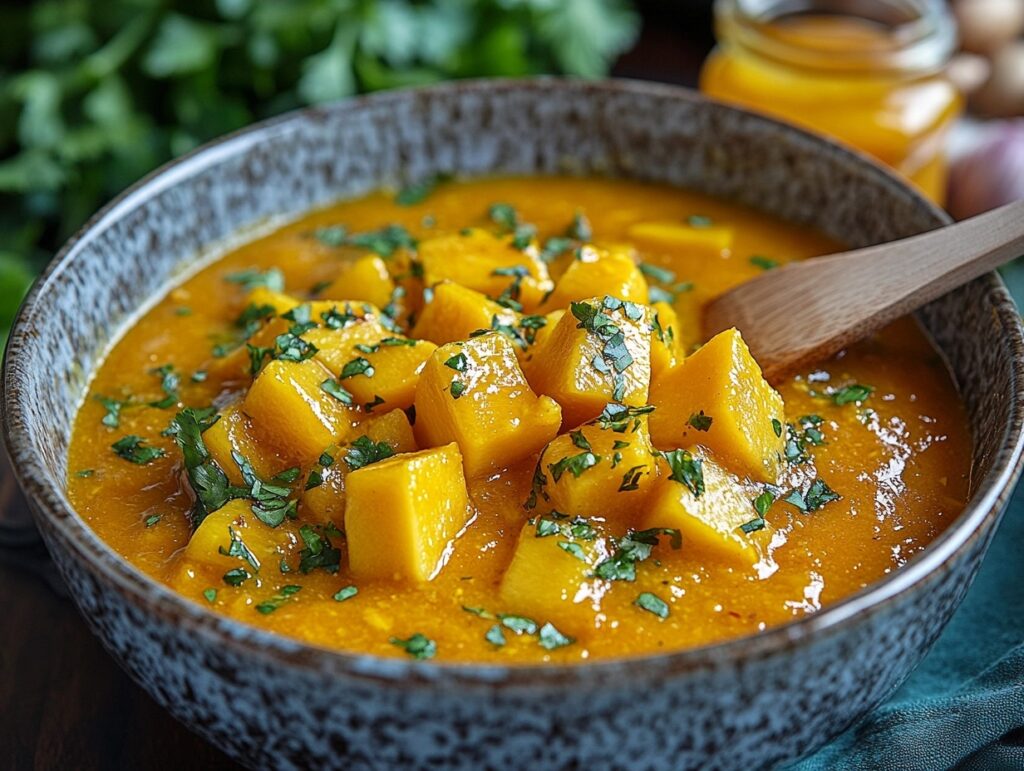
990, 175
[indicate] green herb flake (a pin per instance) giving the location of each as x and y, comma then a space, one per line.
851, 394
662, 275
131, 448
764, 263
358, 366
418, 646
700, 421
169, 383
634, 548
418, 192
518, 624
652, 603
631, 479
575, 464
777, 427
207, 480
236, 576
573, 549
495, 636
699, 221
317, 552
458, 362
151, 520
337, 390
549, 638
210, 594
457, 389
686, 470
279, 599
345, 593
85, 473
763, 502
272, 279
112, 418
363, 451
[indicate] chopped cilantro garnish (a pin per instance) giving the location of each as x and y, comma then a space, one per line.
579, 229
364, 451
495, 636
764, 263
236, 576
384, 241
633, 548
851, 394
686, 470
275, 602
700, 421
418, 646
817, 495
131, 449
457, 389
113, 407
358, 366
169, 382
573, 549
652, 603
345, 593
210, 594
763, 502
337, 390
458, 362
317, 552
616, 417
273, 279
776, 427
576, 464
699, 221
85, 473
417, 192
504, 215
580, 440
663, 275
550, 638
151, 520
631, 479
518, 624
206, 478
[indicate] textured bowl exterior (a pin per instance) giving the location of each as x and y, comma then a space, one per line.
276, 703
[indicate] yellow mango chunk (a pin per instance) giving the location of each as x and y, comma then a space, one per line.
702, 240
389, 379
599, 352
475, 394
711, 523
279, 301
550, 576
666, 342
292, 413
365, 279
337, 347
718, 398
488, 264
598, 272
454, 311
233, 433
326, 502
532, 332
235, 521
402, 514
600, 470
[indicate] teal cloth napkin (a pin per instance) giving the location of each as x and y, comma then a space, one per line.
963, 707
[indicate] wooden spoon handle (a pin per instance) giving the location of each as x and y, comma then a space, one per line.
807, 311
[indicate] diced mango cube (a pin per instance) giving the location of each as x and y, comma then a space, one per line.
703, 240
598, 471
326, 502
211, 541
599, 352
366, 279
402, 514
550, 577
292, 413
454, 312
475, 394
718, 398
389, 381
233, 433
711, 523
595, 273
487, 263
337, 347
279, 301
666, 345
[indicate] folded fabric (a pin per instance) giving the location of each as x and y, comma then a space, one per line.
964, 706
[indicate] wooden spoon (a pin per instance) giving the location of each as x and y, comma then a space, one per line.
806, 311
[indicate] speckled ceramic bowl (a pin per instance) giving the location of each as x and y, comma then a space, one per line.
275, 703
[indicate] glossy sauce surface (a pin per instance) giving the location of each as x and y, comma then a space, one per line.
900, 459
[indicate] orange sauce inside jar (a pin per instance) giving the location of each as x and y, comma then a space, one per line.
899, 460
875, 82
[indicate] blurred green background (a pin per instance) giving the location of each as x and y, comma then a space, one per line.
95, 94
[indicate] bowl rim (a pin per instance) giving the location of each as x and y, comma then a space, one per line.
51, 508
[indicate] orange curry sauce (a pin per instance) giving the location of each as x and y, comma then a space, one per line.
900, 459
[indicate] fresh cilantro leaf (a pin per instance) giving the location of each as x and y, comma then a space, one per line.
131, 448
418, 646
652, 603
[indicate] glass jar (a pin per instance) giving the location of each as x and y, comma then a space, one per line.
871, 73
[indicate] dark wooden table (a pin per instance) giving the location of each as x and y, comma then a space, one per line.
64, 703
